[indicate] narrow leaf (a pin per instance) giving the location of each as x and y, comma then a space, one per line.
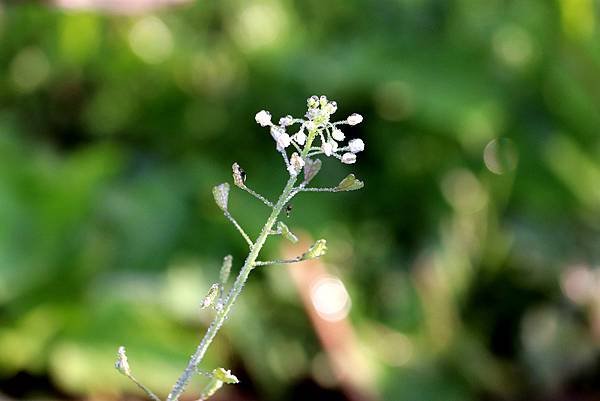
226, 269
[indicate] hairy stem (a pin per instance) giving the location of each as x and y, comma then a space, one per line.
238, 285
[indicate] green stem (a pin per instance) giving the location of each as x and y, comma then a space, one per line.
238, 285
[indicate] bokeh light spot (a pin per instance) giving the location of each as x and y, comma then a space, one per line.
463, 191
151, 40
394, 100
500, 156
29, 69
513, 46
330, 298
260, 25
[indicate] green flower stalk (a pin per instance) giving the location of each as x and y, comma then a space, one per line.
315, 136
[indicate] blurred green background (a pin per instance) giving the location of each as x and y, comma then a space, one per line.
472, 255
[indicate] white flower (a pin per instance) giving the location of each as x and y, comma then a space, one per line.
276, 131
338, 135
285, 121
312, 114
354, 119
334, 145
356, 145
349, 158
310, 125
327, 148
263, 118
283, 141
296, 164
300, 137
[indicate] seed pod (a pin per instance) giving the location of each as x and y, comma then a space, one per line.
350, 183
221, 194
225, 269
211, 295
311, 169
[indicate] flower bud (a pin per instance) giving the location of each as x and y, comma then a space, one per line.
354, 119
349, 158
312, 102
356, 145
300, 137
263, 118
338, 135
122, 365
296, 164
318, 249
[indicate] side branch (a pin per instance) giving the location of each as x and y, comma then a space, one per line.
279, 262
258, 196
239, 228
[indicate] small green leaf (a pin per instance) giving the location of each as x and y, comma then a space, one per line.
226, 269
350, 183
221, 194
225, 376
318, 249
311, 169
211, 388
211, 296
286, 233
219, 377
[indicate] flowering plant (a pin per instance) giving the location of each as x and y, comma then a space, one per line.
316, 135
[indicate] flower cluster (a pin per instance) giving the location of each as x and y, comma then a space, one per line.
325, 137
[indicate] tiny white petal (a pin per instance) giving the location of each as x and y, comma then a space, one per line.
334, 145
300, 137
285, 121
349, 158
323, 100
310, 125
327, 148
338, 135
263, 118
354, 119
283, 140
356, 145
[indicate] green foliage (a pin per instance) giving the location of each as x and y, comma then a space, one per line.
456, 254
